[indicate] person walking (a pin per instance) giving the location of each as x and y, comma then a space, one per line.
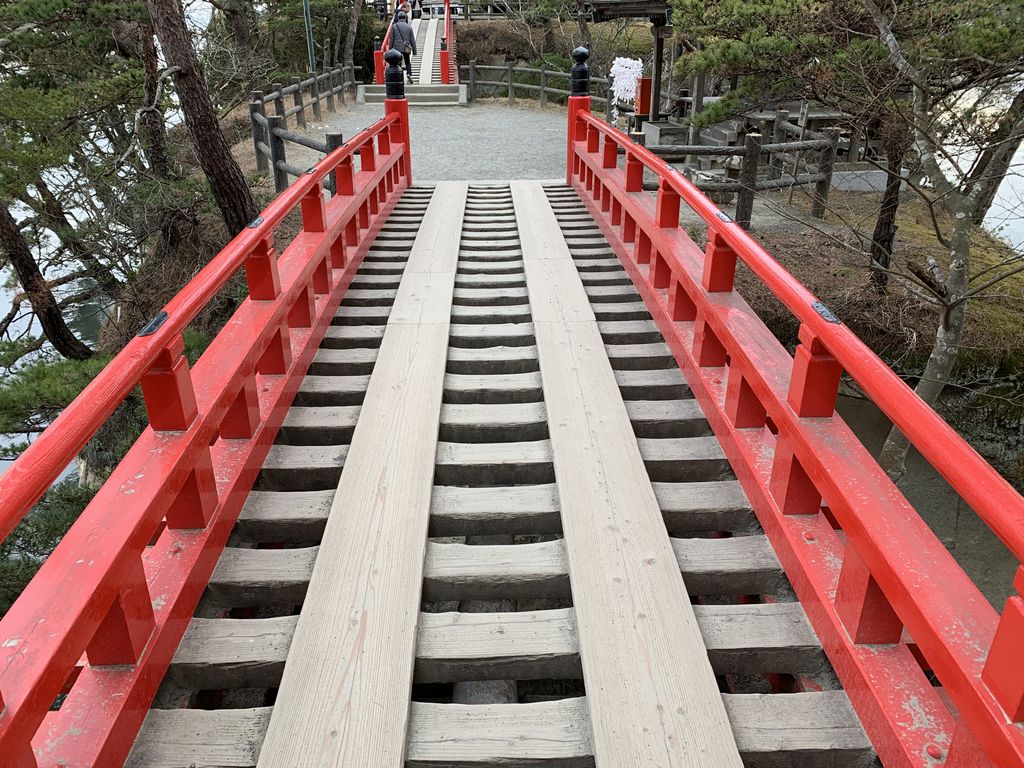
404, 40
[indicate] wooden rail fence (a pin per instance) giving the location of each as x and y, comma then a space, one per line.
537, 85
270, 131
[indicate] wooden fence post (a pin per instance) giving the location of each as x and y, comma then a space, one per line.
329, 75
259, 131
314, 92
748, 180
511, 83
343, 84
279, 107
334, 140
778, 137
277, 156
472, 80
819, 198
297, 96
608, 99
543, 84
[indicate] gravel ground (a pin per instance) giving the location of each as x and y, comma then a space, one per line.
488, 140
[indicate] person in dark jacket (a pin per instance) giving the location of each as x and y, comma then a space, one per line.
403, 40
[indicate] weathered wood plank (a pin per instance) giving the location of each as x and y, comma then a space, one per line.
797, 730
344, 697
460, 511
653, 698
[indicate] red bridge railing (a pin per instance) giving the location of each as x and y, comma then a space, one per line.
449, 73
104, 615
887, 600
378, 54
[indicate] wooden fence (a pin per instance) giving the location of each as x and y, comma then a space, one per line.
270, 131
534, 82
784, 166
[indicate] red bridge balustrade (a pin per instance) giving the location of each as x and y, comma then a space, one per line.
449, 74
102, 618
887, 600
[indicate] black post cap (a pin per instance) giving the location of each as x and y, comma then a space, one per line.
376, 41
394, 78
579, 75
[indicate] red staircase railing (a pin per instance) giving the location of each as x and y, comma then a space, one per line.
449, 74
104, 615
884, 596
378, 54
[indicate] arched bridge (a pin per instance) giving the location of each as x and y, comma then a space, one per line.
503, 474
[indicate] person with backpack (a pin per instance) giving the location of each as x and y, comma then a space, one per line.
404, 41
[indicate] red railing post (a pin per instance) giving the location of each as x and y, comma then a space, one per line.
861, 604
167, 389
814, 385
719, 265
610, 153
396, 104
742, 407
579, 103
1003, 672
128, 624
243, 417
261, 273
634, 173
446, 72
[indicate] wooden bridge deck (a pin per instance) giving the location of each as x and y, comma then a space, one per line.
495, 473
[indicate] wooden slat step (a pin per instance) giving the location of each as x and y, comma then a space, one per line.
327, 425
492, 360
511, 280
599, 264
286, 517
526, 463
492, 422
629, 331
343, 362
552, 734
510, 267
742, 565
605, 278
261, 577
493, 255
610, 293
640, 356
350, 315
197, 738
629, 309
371, 281
667, 418
516, 313
301, 467
498, 388
332, 390
490, 334
680, 459
218, 654
477, 297
739, 565
705, 506
370, 298
662, 384
798, 730
460, 511
346, 336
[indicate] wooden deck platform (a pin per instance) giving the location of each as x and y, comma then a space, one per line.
495, 474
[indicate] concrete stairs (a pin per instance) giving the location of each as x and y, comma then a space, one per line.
418, 95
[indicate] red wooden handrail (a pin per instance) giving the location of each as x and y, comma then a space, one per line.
866, 567
378, 54
107, 609
449, 38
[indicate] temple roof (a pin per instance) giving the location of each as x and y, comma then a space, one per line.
606, 10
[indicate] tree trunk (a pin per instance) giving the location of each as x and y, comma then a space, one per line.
350, 37
947, 338
994, 162
549, 35
581, 23
885, 225
239, 13
222, 172
44, 305
153, 136
55, 218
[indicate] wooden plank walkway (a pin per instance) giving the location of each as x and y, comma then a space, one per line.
494, 479
652, 693
344, 698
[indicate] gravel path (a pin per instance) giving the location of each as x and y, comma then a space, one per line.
488, 140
